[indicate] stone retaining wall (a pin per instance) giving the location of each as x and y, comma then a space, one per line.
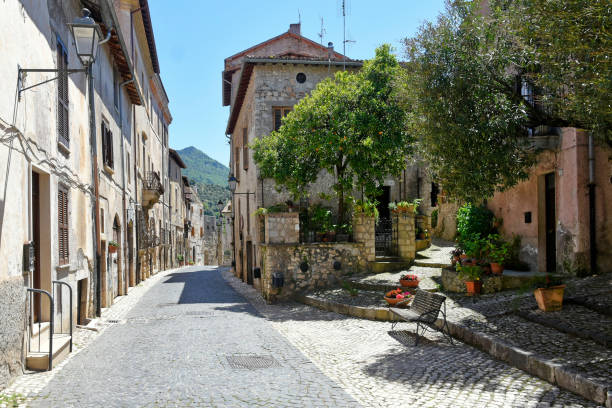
286, 259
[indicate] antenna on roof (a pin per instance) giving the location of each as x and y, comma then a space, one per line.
299, 17
322, 32
344, 41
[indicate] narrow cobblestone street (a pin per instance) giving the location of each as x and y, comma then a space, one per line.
200, 337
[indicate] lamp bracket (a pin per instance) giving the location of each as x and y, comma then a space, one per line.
25, 71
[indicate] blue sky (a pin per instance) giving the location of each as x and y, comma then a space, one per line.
193, 38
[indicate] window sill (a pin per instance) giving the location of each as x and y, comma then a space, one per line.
63, 268
63, 148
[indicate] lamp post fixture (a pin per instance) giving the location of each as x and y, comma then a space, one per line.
220, 206
86, 35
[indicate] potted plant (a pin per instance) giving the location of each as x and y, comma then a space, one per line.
365, 207
407, 206
497, 254
350, 289
410, 281
456, 255
549, 293
112, 246
179, 258
396, 296
471, 274
320, 221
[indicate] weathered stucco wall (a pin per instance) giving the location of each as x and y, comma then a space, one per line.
569, 164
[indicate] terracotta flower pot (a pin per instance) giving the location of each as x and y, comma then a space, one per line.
496, 268
473, 287
409, 283
112, 249
550, 299
393, 301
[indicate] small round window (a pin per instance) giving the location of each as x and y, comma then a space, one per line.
301, 77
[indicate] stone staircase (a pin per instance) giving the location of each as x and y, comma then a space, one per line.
388, 264
37, 357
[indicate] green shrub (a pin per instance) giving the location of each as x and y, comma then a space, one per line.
434, 218
472, 220
469, 273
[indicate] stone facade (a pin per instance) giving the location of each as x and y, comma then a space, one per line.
320, 273
363, 232
282, 228
405, 236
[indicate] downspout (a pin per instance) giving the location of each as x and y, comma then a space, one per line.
125, 225
136, 226
592, 234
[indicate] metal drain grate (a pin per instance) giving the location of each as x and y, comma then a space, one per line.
199, 314
114, 321
166, 304
251, 362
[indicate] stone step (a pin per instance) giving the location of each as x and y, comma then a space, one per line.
39, 360
426, 263
578, 365
388, 266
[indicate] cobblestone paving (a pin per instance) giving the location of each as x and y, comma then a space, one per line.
191, 341
379, 367
438, 253
32, 382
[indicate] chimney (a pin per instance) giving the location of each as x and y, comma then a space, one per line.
295, 28
330, 50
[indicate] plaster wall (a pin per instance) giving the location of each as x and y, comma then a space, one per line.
569, 163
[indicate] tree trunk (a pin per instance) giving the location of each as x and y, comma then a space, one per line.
340, 196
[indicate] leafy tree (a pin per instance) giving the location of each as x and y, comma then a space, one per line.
458, 91
351, 125
467, 74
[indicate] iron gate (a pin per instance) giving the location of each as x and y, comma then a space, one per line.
386, 237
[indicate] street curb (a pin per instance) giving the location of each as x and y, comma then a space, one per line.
371, 313
557, 374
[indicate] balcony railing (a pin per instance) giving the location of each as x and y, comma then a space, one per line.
152, 182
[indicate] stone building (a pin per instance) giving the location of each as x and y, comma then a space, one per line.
69, 224
176, 207
261, 84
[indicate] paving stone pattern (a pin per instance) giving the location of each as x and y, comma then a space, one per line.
380, 367
191, 341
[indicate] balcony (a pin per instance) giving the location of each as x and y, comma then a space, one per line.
543, 137
152, 189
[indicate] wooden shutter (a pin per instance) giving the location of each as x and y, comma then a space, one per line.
62, 225
245, 149
237, 162
63, 133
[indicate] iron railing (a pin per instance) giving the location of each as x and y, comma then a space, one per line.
31, 301
61, 308
386, 236
152, 182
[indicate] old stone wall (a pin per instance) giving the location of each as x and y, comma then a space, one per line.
364, 233
12, 326
319, 257
282, 228
405, 236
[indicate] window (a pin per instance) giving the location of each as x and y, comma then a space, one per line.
301, 77
279, 114
202, 232
245, 149
129, 173
102, 220
237, 162
192, 231
107, 146
63, 129
62, 224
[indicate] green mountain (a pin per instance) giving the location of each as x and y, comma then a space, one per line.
208, 175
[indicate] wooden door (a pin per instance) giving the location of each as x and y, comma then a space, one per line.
551, 223
36, 278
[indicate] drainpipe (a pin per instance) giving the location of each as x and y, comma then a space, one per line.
592, 235
94, 170
125, 225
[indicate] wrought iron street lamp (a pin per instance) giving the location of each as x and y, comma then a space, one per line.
220, 206
87, 35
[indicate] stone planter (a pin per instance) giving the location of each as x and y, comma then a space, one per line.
409, 283
550, 299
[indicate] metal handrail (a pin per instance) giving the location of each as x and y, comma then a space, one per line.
51, 320
62, 311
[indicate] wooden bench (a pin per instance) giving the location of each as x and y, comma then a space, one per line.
424, 310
